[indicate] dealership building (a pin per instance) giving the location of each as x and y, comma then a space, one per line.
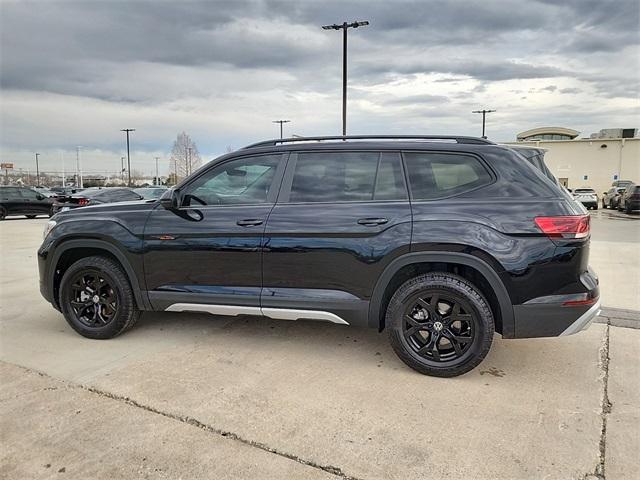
596, 162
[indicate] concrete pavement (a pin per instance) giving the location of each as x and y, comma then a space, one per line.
196, 396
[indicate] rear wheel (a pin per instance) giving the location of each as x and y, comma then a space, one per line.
3, 213
96, 298
440, 324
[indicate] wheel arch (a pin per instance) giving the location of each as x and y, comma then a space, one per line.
472, 268
71, 251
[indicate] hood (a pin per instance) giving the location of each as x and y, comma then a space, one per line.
111, 208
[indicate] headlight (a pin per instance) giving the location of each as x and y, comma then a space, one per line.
48, 227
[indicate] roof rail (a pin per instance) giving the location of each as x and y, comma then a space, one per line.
457, 139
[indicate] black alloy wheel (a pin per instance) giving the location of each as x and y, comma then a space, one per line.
96, 298
92, 298
440, 324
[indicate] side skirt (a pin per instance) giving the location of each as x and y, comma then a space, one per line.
276, 313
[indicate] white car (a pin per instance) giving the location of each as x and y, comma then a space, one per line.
586, 196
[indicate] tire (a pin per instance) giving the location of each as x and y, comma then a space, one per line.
31, 217
3, 213
450, 290
628, 210
595, 207
117, 311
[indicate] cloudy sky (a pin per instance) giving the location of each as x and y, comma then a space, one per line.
75, 73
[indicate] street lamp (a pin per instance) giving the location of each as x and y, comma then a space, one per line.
37, 170
127, 130
281, 122
344, 27
484, 113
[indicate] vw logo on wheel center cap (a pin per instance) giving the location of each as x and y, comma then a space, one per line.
438, 326
96, 299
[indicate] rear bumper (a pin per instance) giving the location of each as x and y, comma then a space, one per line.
556, 315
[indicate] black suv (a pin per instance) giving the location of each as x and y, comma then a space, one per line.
439, 240
23, 201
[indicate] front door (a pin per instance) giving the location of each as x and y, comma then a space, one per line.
341, 217
208, 251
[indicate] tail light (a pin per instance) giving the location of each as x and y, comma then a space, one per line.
83, 202
574, 226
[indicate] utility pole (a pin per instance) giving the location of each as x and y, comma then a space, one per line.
127, 130
157, 179
344, 27
79, 182
281, 122
188, 162
64, 179
37, 171
122, 169
484, 114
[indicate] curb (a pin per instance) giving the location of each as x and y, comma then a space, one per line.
619, 317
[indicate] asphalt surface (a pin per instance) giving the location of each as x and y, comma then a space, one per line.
196, 396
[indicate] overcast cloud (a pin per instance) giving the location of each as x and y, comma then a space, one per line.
75, 73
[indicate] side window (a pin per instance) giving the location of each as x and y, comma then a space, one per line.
243, 181
346, 176
9, 193
28, 194
435, 175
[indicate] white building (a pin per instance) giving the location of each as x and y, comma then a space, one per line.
586, 162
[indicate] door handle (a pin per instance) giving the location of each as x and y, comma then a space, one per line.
249, 222
371, 222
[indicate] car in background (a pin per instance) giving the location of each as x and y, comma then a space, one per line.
96, 196
151, 193
587, 197
621, 183
630, 199
611, 198
25, 201
47, 192
65, 191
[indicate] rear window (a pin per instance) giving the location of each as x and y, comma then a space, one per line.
435, 175
347, 177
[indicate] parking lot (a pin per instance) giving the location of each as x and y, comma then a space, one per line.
197, 396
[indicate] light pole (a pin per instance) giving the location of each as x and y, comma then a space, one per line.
79, 182
122, 169
484, 114
37, 171
127, 130
281, 122
188, 162
344, 27
157, 179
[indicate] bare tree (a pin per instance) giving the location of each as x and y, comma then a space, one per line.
185, 157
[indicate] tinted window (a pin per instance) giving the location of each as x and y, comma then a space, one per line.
123, 195
433, 175
10, 193
242, 181
347, 177
28, 194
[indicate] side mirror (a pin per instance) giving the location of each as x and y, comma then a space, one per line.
172, 200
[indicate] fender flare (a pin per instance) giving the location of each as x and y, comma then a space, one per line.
504, 301
141, 300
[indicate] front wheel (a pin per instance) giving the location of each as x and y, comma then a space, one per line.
440, 324
96, 298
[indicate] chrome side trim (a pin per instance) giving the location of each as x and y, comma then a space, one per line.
229, 310
276, 313
584, 321
291, 314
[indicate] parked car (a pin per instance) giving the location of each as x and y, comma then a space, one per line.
621, 183
151, 193
45, 191
65, 191
630, 199
96, 196
412, 236
586, 196
611, 198
23, 201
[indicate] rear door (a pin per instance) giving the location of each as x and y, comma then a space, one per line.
341, 217
33, 202
12, 200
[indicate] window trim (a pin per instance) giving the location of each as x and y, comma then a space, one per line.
274, 188
287, 181
487, 167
